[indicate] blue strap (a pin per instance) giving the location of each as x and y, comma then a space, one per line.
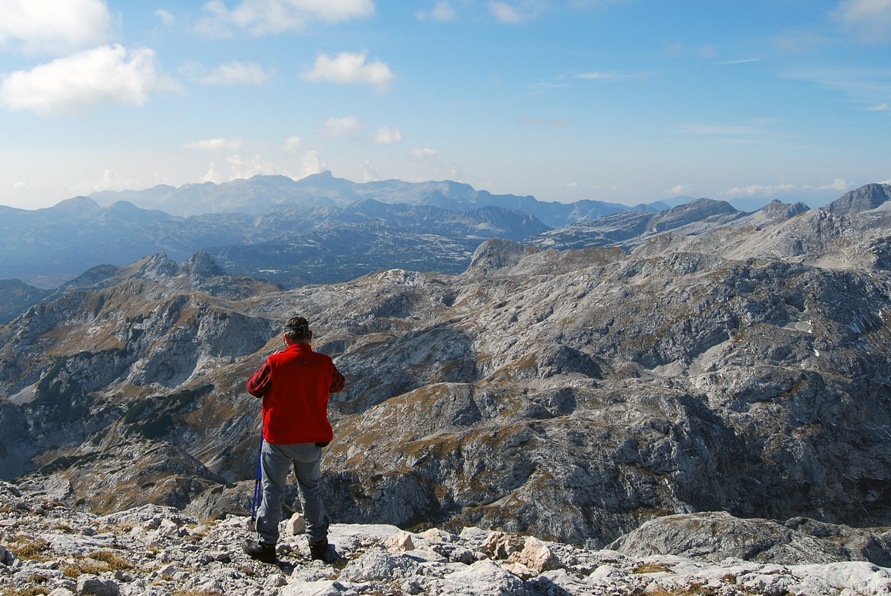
258, 490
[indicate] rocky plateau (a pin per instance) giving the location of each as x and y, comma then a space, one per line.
48, 548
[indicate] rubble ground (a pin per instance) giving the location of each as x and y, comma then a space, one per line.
49, 548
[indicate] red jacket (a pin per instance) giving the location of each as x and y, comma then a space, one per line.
295, 384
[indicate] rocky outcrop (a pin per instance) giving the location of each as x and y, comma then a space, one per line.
46, 547
865, 198
717, 536
697, 211
201, 266
496, 254
16, 297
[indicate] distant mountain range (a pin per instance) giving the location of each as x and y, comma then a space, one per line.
265, 194
322, 229
315, 230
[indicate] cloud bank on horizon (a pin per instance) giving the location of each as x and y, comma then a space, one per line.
616, 100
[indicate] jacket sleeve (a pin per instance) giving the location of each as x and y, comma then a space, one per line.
259, 382
337, 381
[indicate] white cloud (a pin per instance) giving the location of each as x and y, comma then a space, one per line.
882, 107
566, 81
110, 180
802, 41
232, 73
422, 153
293, 144
611, 76
387, 135
261, 17
680, 50
313, 164
166, 17
340, 127
53, 26
214, 144
442, 12
870, 18
517, 11
757, 190
106, 74
863, 84
369, 174
350, 68
741, 61
240, 168
504, 12
679, 190
838, 185
310, 160
255, 166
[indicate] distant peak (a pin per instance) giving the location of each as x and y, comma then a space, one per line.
79, 202
778, 208
157, 265
325, 175
704, 205
201, 264
865, 198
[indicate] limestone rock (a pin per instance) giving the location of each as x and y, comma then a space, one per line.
296, 524
158, 550
536, 556
399, 543
718, 536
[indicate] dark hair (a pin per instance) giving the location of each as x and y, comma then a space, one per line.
297, 329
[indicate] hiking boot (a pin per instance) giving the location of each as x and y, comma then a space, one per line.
259, 551
319, 550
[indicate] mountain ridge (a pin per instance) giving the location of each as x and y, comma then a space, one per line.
262, 193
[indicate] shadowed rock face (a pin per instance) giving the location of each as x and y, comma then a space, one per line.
574, 395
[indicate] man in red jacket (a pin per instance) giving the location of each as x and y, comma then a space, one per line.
294, 385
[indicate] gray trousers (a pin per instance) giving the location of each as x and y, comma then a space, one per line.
276, 461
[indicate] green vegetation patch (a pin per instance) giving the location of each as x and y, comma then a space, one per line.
154, 417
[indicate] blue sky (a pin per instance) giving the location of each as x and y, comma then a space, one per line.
626, 101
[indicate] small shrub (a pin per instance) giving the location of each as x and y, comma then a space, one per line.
31, 550
33, 591
114, 560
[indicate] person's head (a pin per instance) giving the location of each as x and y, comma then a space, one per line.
297, 331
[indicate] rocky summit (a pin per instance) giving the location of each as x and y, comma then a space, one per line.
48, 548
695, 375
